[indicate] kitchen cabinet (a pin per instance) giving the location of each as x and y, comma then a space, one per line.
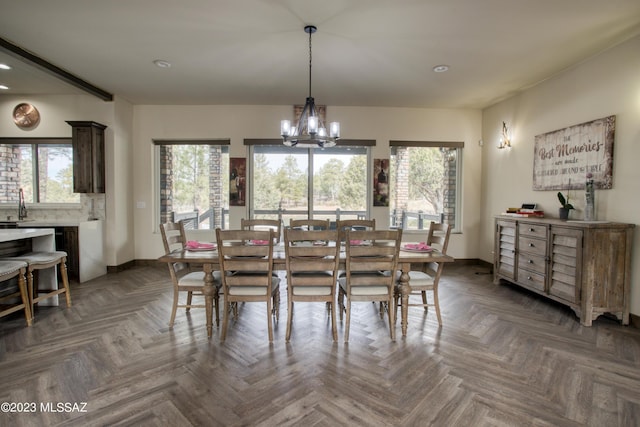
584, 265
87, 140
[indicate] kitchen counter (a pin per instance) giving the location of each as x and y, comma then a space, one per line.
9, 235
82, 240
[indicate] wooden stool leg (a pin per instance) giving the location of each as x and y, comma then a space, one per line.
24, 294
30, 291
65, 280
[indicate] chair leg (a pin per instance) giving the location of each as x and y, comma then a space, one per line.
392, 322
225, 319
396, 301
269, 323
346, 325
189, 296
425, 302
275, 310
334, 329
216, 303
341, 303
31, 290
174, 308
26, 301
289, 318
65, 281
437, 304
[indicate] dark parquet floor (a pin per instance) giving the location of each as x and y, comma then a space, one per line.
504, 357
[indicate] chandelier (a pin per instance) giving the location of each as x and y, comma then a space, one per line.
310, 131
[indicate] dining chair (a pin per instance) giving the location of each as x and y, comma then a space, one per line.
246, 265
10, 269
310, 224
372, 262
427, 279
263, 224
312, 259
185, 277
354, 224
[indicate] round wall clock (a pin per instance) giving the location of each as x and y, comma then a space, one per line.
26, 116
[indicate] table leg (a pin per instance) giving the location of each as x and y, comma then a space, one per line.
405, 290
209, 290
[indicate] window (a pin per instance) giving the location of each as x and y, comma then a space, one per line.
424, 179
283, 186
194, 182
42, 168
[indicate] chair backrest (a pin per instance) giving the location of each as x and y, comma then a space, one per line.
439, 236
173, 236
372, 251
354, 224
310, 224
245, 257
312, 251
174, 239
263, 224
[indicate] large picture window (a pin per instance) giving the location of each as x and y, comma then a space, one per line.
424, 182
43, 169
283, 186
194, 182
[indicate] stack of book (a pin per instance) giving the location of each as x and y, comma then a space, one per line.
522, 212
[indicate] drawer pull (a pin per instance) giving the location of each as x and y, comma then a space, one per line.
532, 229
531, 245
528, 277
530, 261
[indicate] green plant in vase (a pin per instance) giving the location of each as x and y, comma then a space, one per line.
565, 206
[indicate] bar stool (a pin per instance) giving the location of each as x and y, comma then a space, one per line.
40, 261
8, 270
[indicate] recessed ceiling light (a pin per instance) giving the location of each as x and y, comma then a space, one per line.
3, 87
162, 63
441, 68
4, 66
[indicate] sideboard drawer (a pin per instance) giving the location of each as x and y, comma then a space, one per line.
532, 280
533, 230
535, 263
532, 246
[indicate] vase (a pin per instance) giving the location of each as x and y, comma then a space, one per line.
564, 213
589, 202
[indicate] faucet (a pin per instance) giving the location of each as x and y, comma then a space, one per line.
22, 208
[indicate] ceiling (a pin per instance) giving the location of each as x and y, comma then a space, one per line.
365, 52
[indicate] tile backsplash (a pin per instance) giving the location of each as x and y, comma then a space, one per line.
92, 206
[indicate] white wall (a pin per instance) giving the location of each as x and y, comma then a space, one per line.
608, 84
240, 122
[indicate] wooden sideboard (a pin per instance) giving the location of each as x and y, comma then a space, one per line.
585, 265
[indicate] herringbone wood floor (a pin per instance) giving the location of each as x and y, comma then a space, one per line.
504, 357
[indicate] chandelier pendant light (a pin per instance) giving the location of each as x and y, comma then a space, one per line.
310, 131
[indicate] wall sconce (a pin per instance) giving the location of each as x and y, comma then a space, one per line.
505, 141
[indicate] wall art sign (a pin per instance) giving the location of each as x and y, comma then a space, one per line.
562, 158
237, 181
380, 182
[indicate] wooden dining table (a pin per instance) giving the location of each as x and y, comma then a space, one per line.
210, 263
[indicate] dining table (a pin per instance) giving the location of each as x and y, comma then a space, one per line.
210, 263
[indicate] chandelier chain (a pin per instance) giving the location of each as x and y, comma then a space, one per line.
310, 32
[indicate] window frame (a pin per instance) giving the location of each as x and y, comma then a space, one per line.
458, 146
157, 144
35, 142
364, 143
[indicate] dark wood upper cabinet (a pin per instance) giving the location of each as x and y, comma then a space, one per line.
88, 156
